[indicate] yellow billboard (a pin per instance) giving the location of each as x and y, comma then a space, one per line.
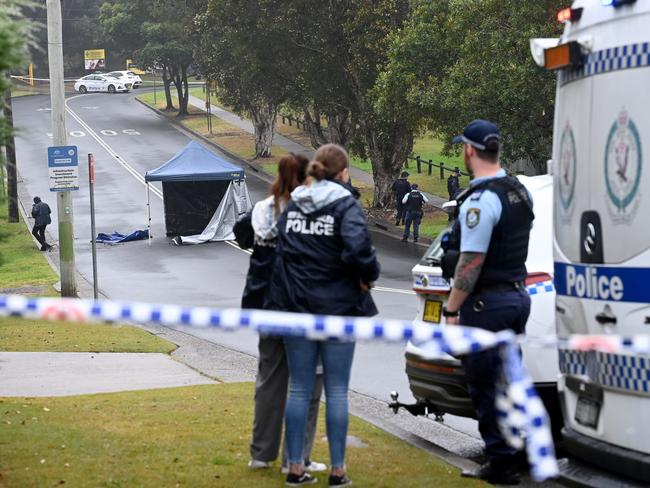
94, 59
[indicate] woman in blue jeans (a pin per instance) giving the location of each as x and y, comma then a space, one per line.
325, 264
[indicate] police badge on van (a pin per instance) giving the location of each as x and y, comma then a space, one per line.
623, 163
567, 168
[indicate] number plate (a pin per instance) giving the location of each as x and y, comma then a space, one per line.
432, 311
587, 412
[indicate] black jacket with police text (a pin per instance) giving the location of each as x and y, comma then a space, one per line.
324, 250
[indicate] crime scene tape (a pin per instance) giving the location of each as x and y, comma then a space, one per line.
522, 417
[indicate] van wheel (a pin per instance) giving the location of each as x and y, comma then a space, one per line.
82, 89
111, 89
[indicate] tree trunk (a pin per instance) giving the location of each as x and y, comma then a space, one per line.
387, 156
180, 82
10, 149
263, 117
337, 130
168, 92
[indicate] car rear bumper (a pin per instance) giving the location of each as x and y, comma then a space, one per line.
440, 383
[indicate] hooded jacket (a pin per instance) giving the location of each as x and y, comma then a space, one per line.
324, 250
263, 220
41, 213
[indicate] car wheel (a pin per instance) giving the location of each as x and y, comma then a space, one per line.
82, 89
111, 89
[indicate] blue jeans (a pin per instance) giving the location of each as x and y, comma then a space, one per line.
412, 218
302, 357
493, 312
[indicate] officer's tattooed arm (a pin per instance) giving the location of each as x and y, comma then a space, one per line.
468, 270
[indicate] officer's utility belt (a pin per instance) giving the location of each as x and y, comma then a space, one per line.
501, 287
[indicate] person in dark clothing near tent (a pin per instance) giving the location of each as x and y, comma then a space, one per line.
41, 213
400, 188
272, 378
413, 203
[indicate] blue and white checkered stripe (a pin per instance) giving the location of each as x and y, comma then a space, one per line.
539, 288
625, 372
608, 60
450, 340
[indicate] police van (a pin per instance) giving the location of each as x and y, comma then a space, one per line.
601, 225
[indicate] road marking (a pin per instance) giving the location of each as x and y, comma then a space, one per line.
43, 109
90, 108
394, 290
110, 150
158, 193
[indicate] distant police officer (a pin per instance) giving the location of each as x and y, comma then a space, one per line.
486, 254
400, 188
413, 203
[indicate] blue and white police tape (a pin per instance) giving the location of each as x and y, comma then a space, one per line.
521, 413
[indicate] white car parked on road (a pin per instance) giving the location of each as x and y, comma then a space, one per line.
101, 83
127, 77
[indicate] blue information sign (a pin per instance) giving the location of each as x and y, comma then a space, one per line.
63, 165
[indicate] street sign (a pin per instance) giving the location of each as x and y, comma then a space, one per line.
63, 166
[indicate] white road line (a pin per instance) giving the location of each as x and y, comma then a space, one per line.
394, 290
159, 194
110, 150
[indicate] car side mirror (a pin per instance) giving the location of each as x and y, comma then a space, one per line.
450, 206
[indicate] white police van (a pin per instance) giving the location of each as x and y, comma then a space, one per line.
602, 232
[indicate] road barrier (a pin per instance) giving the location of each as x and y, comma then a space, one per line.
523, 419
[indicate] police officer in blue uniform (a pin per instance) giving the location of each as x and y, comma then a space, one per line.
413, 202
486, 254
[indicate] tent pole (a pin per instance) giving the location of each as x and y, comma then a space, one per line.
148, 216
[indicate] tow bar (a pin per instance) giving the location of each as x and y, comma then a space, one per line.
415, 409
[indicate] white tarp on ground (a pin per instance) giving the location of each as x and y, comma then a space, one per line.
235, 203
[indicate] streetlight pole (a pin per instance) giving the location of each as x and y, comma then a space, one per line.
57, 102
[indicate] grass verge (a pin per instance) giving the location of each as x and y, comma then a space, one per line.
21, 263
37, 336
191, 436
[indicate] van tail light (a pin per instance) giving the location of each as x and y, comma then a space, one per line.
534, 278
569, 15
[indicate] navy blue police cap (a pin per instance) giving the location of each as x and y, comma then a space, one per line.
481, 134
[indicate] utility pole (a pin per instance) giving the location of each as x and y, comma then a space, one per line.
10, 149
57, 97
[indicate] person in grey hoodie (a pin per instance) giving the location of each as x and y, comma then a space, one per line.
272, 378
325, 264
41, 213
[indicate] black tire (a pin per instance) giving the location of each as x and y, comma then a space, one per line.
111, 89
82, 89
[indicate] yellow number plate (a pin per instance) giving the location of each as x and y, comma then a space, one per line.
432, 311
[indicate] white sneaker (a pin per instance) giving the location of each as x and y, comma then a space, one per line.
255, 464
312, 467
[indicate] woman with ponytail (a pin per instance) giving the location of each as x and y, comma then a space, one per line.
272, 378
325, 264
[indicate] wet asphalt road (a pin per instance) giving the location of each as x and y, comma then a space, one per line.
128, 139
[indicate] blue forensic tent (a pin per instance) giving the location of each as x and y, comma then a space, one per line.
196, 183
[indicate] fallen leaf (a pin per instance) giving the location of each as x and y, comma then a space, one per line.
45, 409
66, 465
42, 461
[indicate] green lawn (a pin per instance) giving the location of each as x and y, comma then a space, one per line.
21, 262
31, 335
427, 147
189, 437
